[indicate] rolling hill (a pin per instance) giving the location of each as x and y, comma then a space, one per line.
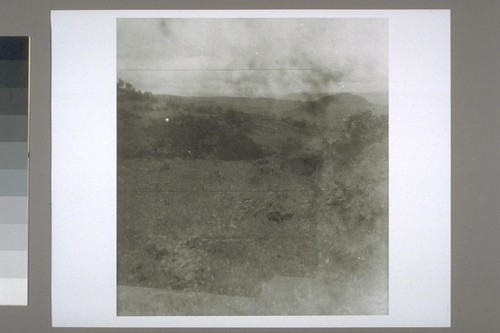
224, 195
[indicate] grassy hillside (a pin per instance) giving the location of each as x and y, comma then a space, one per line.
228, 200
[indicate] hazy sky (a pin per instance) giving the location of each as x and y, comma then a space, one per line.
253, 57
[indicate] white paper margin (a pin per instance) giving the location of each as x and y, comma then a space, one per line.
84, 172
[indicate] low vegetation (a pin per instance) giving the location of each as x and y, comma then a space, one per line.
225, 201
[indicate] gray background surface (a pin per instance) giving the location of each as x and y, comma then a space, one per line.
475, 153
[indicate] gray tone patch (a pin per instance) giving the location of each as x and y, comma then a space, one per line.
13, 74
13, 155
13, 237
13, 264
14, 101
13, 128
14, 210
13, 183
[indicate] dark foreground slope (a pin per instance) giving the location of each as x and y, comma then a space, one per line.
250, 210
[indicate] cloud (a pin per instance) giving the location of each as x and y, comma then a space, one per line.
164, 26
253, 56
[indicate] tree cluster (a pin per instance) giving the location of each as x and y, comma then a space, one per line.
126, 90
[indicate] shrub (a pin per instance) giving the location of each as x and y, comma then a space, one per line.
199, 137
361, 130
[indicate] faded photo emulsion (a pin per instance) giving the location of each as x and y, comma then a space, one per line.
252, 166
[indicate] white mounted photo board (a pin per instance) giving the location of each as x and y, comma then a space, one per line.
89, 56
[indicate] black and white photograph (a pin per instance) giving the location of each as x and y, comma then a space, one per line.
252, 166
